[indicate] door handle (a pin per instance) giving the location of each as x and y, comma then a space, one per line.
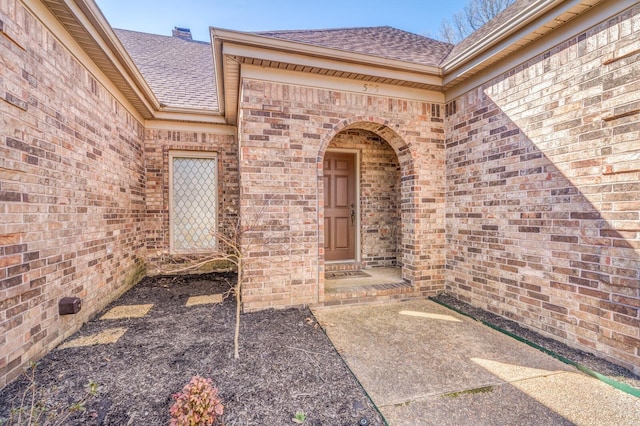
353, 215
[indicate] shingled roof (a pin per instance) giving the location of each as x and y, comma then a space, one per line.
506, 15
386, 42
180, 72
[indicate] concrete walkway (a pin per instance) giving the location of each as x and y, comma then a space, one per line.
423, 364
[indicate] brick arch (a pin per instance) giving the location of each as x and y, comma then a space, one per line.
380, 127
383, 129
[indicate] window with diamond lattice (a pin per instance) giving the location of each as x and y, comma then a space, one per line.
194, 195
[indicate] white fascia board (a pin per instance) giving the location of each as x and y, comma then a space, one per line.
233, 49
218, 68
194, 116
600, 13
115, 51
171, 125
186, 110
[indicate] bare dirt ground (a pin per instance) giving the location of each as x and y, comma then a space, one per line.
286, 365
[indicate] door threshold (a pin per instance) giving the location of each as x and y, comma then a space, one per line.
342, 265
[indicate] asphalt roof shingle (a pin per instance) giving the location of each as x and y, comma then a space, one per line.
180, 72
385, 42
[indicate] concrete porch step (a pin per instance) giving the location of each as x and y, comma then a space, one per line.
373, 293
378, 285
342, 266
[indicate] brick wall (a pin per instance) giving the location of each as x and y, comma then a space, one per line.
543, 172
379, 196
284, 131
71, 191
157, 145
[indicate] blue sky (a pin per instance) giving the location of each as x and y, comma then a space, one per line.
160, 16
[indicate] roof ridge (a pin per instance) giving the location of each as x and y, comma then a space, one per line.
309, 30
162, 35
380, 41
326, 30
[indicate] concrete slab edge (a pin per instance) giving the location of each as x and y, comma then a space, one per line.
614, 383
386, 423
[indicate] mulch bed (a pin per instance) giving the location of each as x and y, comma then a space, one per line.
286, 364
588, 360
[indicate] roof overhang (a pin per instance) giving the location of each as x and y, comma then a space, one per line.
530, 24
86, 24
84, 21
191, 115
232, 49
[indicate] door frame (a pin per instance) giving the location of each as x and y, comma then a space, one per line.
356, 153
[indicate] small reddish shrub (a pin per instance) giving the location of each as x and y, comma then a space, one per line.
197, 404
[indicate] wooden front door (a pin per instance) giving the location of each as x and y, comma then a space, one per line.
340, 206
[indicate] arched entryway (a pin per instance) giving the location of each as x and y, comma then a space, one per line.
361, 192
361, 173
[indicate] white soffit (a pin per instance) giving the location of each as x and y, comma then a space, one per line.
88, 27
84, 21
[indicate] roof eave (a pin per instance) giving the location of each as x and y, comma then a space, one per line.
92, 27
190, 114
252, 39
533, 22
229, 46
216, 48
518, 21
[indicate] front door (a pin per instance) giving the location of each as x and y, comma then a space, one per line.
340, 206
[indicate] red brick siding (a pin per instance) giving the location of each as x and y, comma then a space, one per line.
71, 191
157, 145
543, 194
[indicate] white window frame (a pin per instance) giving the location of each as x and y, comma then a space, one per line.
173, 154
